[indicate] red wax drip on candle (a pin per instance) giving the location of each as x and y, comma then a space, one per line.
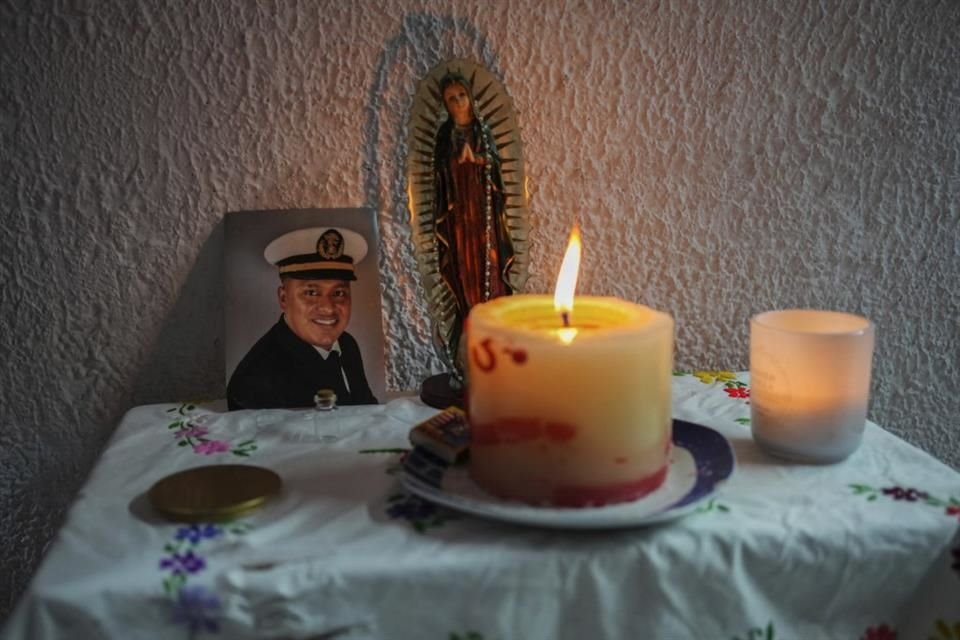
597, 495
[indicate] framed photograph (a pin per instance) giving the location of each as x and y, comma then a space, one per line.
302, 308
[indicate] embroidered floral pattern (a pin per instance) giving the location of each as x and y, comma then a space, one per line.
910, 495
951, 507
194, 606
421, 514
180, 565
213, 446
737, 390
713, 505
189, 430
197, 608
197, 532
709, 377
734, 388
756, 633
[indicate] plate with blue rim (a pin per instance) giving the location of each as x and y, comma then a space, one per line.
700, 461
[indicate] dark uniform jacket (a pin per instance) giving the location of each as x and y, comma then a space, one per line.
283, 371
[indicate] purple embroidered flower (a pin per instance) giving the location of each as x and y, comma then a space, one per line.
197, 608
910, 495
192, 432
211, 446
195, 532
180, 563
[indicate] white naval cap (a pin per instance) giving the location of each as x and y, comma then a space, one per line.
317, 253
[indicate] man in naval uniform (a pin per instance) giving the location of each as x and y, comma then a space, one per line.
307, 349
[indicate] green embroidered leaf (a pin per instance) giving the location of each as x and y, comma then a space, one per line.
743, 421
678, 373
242, 454
245, 443
723, 508
872, 498
182, 443
173, 583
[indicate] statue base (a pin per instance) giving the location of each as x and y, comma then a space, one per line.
443, 390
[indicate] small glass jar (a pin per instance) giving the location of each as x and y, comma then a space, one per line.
325, 400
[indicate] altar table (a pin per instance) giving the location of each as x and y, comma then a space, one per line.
864, 549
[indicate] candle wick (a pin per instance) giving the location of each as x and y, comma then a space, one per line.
566, 318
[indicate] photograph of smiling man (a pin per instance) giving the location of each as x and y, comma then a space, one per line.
318, 270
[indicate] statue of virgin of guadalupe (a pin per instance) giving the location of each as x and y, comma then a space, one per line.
474, 247
466, 190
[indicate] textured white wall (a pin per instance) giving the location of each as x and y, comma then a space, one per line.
723, 158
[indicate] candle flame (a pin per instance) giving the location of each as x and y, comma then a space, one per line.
567, 280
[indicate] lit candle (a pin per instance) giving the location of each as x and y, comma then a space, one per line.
810, 382
569, 398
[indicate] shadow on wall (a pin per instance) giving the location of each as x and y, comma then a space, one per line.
423, 40
186, 361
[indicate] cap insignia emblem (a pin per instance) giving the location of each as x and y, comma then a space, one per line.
330, 244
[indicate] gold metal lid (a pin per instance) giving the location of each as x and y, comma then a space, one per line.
325, 400
214, 492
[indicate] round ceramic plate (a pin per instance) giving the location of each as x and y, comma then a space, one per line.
701, 459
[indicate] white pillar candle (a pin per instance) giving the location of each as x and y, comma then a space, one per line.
572, 415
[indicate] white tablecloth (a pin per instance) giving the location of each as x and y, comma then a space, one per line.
867, 548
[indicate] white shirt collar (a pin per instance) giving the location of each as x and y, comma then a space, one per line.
324, 353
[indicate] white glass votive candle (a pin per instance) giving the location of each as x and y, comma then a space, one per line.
810, 382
